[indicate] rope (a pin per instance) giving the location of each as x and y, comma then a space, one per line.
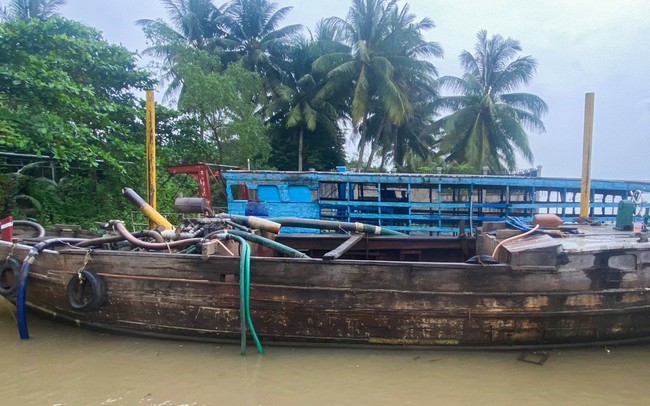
87, 259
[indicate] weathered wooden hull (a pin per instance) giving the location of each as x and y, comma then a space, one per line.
347, 301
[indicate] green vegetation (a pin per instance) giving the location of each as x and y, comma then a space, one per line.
242, 87
28, 9
486, 127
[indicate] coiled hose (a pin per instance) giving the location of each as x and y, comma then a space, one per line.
39, 228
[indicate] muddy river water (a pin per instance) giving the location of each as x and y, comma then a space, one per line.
63, 365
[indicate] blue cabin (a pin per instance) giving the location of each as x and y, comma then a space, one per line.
428, 204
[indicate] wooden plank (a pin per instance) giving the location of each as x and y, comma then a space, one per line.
345, 247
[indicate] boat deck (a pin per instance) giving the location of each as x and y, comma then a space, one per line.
583, 238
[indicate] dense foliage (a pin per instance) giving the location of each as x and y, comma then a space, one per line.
66, 92
242, 88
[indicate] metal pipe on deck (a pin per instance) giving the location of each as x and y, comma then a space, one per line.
335, 225
154, 217
121, 229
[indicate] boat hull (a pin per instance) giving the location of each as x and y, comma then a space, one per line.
346, 301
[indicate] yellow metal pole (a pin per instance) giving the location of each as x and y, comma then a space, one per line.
151, 152
585, 189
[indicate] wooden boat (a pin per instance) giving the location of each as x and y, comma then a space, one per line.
592, 287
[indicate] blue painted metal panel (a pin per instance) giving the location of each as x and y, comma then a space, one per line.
300, 193
268, 193
396, 200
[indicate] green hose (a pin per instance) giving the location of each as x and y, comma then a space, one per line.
267, 242
245, 293
248, 299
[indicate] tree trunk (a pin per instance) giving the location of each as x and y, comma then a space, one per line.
384, 157
371, 157
376, 143
300, 147
362, 143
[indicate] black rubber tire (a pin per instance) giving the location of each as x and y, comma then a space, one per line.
88, 294
8, 287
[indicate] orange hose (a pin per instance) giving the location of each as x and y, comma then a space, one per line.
494, 253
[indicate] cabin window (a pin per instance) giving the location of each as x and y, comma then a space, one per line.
490, 201
239, 191
424, 194
625, 261
332, 191
365, 191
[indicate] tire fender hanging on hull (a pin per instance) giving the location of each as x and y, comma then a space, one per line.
8, 285
86, 291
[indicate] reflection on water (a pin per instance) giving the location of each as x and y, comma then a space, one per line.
63, 365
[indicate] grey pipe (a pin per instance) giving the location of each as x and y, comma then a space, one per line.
335, 225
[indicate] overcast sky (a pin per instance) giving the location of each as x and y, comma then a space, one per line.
581, 46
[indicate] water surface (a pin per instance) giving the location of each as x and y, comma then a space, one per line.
63, 365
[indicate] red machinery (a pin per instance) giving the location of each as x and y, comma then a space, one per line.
202, 173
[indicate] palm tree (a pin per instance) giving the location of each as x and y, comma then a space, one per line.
296, 104
26, 9
384, 43
252, 34
417, 77
487, 125
194, 23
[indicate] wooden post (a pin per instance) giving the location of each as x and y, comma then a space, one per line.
585, 189
151, 152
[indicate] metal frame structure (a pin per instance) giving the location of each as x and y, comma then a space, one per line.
420, 203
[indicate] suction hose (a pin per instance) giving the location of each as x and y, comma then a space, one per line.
335, 225
257, 239
94, 242
120, 228
21, 308
145, 208
39, 228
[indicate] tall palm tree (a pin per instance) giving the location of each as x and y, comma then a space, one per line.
417, 77
26, 9
194, 23
295, 102
487, 126
253, 34
382, 41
